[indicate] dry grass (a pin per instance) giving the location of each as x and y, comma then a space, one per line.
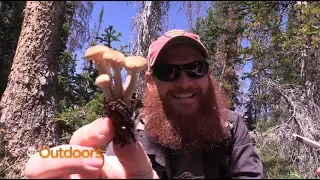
275, 167
9, 169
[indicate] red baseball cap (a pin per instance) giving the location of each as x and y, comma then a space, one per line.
173, 37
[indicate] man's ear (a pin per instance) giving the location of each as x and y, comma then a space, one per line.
209, 72
149, 80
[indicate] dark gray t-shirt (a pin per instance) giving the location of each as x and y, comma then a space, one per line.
187, 165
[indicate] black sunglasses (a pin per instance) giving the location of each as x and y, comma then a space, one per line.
171, 72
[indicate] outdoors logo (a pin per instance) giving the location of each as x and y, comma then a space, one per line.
31, 151
46, 152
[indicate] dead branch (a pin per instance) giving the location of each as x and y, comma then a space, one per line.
301, 116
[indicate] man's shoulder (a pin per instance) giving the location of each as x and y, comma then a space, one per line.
238, 126
232, 116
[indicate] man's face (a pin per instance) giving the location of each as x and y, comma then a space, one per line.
183, 94
185, 112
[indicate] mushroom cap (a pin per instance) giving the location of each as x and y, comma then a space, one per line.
95, 51
103, 80
114, 57
136, 63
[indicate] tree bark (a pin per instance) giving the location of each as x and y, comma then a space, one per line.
27, 106
148, 23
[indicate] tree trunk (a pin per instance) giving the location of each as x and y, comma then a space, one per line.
148, 23
145, 33
28, 103
144, 41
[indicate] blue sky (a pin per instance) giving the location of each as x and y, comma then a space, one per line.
119, 15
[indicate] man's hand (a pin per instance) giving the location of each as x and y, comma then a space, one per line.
130, 161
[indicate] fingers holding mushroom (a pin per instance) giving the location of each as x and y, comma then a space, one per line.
116, 60
133, 65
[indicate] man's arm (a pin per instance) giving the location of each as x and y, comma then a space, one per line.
245, 163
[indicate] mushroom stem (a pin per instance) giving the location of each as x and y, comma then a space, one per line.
127, 81
104, 68
116, 59
134, 65
108, 70
118, 89
130, 84
104, 82
107, 93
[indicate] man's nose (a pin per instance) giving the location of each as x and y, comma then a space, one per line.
184, 81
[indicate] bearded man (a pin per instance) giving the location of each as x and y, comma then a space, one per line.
184, 129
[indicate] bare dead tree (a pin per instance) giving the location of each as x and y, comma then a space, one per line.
198, 9
147, 24
189, 7
93, 39
151, 19
80, 25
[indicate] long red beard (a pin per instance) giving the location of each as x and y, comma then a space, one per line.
178, 131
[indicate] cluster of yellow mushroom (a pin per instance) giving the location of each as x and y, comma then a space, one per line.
106, 59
